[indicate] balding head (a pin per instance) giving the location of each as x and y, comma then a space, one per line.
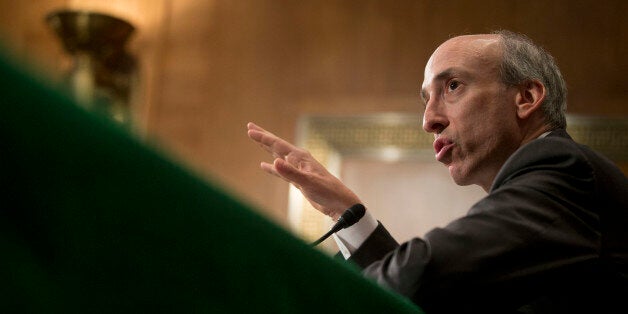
481, 52
478, 119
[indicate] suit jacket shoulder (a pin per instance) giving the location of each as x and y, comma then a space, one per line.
550, 224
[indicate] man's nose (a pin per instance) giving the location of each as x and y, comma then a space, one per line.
434, 118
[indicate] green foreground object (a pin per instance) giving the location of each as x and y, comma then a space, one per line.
92, 220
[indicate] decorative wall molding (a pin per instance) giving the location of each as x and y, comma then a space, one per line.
391, 137
377, 133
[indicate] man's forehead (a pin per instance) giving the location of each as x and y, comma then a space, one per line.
462, 52
468, 42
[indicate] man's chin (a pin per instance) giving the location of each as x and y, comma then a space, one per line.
459, 177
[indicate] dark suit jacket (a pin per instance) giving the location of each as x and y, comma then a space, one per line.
550, 237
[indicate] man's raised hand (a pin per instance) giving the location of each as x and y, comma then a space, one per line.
323, 190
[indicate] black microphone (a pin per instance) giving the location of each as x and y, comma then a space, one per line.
352, 215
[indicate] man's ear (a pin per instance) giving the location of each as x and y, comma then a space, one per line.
529, 98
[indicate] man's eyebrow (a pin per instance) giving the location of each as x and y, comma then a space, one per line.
444, 75
447, 73
438, 77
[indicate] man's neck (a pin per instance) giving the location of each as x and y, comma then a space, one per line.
538, 132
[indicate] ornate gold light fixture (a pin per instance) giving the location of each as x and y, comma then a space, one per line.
103, 73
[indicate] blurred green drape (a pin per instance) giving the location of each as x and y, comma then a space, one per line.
93, 220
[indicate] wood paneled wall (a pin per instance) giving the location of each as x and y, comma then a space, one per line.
224, 63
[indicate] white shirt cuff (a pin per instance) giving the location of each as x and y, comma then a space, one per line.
350, 239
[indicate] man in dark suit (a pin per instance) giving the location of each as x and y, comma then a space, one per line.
551, 236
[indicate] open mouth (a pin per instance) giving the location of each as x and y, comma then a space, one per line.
441, 147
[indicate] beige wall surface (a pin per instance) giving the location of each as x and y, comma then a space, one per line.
215, 65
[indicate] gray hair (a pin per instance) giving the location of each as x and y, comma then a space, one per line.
522, 60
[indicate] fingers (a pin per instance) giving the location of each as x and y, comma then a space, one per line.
258, 129
255, 132
281, 169
272, 169
288, 172
286, 155
253, 126
273, 144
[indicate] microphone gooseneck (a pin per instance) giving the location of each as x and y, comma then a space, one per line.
352, 215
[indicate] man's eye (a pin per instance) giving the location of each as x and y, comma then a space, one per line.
453, 85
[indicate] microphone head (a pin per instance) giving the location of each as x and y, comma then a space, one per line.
352, 215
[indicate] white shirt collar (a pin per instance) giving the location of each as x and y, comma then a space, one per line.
544, 134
